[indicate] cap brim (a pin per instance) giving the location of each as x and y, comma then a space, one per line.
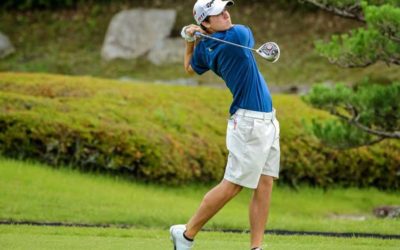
220, 6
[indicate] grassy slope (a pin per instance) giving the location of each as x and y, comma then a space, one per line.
69, 42
179, 123
25, 237
35, 192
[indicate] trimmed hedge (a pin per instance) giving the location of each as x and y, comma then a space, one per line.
166, 134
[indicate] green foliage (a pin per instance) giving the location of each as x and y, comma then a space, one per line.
379, 41
95, 127
359, 49
347, 3
369, 113
385, 19
63, 4
44, 4
339, 134
56, 41
32, 4
164, 134
309, 162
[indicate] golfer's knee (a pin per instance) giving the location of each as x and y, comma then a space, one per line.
266, 181
230, 189
222, 192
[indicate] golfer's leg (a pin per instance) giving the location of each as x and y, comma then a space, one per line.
259, 208
212, 202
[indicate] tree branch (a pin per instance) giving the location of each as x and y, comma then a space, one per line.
369, 143
379, 139
354, 121
394, 38
349, 63
394, 61
356, 115
389, 32
352, 64
353, 11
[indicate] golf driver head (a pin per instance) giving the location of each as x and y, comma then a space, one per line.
269, 51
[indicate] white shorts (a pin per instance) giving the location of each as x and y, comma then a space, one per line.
252, 139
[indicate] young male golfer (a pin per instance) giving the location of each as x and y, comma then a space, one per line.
252, 132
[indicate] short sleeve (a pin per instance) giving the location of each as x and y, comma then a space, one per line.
198, 61
244, 36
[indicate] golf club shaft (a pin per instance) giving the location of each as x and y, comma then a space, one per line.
219, 40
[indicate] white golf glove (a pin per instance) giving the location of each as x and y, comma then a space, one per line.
186, 36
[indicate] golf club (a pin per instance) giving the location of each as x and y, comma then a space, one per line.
269, 51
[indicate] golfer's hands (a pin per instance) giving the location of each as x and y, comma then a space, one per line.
188, 32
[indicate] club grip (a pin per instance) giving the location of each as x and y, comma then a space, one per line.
197, 34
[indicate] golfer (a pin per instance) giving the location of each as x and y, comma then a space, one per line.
252, 132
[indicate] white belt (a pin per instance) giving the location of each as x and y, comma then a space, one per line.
256, 114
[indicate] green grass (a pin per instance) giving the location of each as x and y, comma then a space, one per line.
39, 193
32, 237
70, 41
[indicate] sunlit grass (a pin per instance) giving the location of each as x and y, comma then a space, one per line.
32, 237
39, 193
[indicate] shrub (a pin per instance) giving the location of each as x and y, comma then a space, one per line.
166, 134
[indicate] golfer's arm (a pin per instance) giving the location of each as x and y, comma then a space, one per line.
188, 57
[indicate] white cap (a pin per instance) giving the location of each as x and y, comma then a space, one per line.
205, 8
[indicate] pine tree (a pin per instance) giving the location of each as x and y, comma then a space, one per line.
370, 112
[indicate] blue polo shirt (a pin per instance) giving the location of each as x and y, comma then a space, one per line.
236, 66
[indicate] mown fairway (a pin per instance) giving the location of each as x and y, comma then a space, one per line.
39, 193
33, 237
